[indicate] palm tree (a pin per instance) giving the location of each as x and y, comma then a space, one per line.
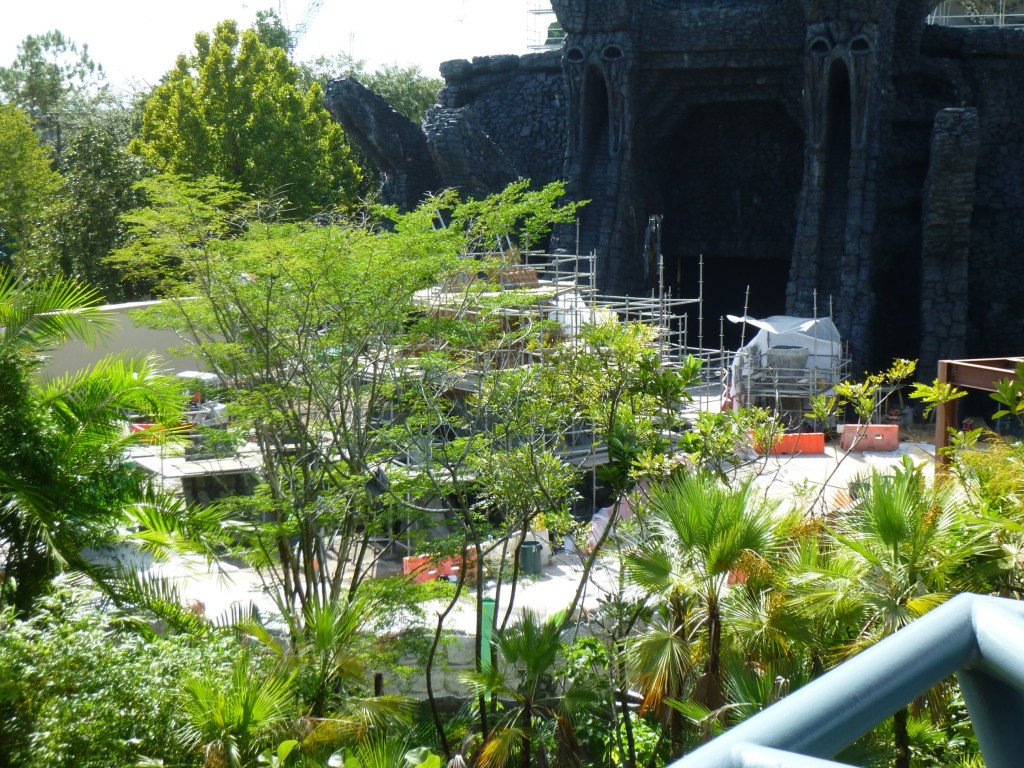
526, 654
702, 532
64, 482
329, 649
231, 721
901, 549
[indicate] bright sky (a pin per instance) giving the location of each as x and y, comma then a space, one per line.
139, 40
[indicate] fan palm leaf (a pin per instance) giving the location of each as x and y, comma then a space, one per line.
233, 720
523, 673
660, 660
41, 316
702, 533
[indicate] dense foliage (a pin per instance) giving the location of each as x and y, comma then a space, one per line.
402, 390
235, 109
27, 184
63, 189
77, 689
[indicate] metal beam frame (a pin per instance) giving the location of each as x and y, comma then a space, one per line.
978, 373
979, 638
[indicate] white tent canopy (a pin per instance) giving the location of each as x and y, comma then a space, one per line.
818, 336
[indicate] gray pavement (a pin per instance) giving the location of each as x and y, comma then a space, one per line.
802, 481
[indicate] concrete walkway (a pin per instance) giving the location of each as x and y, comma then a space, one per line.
804, 481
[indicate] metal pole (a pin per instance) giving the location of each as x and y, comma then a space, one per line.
700, 311
945, 417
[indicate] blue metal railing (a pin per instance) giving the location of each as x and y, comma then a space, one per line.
979, 638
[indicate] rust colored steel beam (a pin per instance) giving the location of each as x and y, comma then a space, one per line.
982, 373
979, 373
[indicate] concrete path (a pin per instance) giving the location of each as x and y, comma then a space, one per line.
794, 480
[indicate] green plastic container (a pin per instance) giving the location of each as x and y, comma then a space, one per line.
529, 558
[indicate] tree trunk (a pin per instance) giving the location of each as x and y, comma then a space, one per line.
901, 738
527, 733
438, 725
478, 645
675, 717
627, 720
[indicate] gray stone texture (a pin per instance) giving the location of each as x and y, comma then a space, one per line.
835, 155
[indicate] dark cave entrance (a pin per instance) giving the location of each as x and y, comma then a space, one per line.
728, 179
837, 180
594, 154
594, 140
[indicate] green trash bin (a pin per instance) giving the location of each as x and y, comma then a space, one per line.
529, 558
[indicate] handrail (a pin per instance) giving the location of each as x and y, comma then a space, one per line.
979, 638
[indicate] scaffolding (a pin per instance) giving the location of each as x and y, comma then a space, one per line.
517, 292
544, 33
786, 373
979, 13
560, 288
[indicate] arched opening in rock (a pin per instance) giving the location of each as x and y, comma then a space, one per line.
832, 245
595, 160
727, 180
595, 122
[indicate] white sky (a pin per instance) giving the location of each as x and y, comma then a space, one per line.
139, 40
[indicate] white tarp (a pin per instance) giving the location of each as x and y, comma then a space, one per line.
572, 313
818, 336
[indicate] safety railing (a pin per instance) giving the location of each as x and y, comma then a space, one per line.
979, 638
978, 13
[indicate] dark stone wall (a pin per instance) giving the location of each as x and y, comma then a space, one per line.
834, 155
516, 102
994, 66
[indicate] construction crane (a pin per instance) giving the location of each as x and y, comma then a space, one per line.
296, 33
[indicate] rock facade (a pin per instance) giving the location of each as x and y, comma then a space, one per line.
835, 155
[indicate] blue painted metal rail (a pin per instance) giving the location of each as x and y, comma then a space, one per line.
981, 639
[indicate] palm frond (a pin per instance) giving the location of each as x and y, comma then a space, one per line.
163, 526
652, 568
157, 596
45, 314
531, 645
501, 748
708, 721
659, 659
360, 719
235, 718
92, 404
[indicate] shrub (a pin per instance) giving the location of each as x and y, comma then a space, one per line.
77, 689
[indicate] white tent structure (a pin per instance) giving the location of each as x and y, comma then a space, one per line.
788, 359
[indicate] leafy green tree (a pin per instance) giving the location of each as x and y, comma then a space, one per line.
309, 326
84, 225
65, 483
87, 128
406, 89
234, 109
28, 186
53, 81
271, 30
